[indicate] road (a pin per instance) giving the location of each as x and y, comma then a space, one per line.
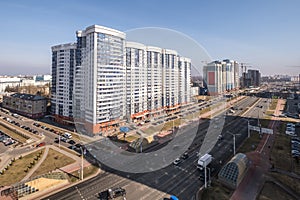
182, 180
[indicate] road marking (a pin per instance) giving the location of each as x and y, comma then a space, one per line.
79, 192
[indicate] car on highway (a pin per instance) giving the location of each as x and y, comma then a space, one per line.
184, 156
112, 193
177, 161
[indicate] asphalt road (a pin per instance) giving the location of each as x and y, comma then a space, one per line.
182, 180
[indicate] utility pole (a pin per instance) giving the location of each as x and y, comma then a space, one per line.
233, 141
248, 129
81, 163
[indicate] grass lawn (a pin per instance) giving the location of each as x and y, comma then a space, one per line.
293, 183
273, 104
251, 143
280, 154
216, 191
87, 171
53, 161
271, 191
13, 134
15, 172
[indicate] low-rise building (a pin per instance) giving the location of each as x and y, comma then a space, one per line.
32, 106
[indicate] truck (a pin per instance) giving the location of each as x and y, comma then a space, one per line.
204, 161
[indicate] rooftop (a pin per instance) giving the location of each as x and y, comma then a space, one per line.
27, 96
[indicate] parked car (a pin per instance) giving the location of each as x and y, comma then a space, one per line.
291, 133
41, 144
72, 142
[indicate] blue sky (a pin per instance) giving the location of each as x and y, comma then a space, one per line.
262, 33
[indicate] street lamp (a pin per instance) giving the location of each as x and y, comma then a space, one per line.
81, 163
233, 141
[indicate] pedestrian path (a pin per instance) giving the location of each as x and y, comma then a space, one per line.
29, 174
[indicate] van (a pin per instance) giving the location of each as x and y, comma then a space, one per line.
68, 135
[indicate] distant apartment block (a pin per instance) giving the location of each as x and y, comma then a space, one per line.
251, 78
63, 66
117, 80
32, 106
15, 81
221, 76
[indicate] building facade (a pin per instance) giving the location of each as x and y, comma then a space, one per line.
117, 80
103, 73
136, 80
221, 76
32, 106
63, 65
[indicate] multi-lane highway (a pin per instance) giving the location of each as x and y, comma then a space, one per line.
182, 180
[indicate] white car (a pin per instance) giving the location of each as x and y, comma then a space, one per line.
290, 129
295, 152
177, 161
291, 133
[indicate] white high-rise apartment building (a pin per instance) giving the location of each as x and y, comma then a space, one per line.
63, 64
221, 76
184, 80
103, 70
116, 79
136, 80
170, 79
154, 80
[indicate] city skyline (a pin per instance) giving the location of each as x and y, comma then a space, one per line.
263, 34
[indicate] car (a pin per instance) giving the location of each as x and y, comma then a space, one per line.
117, 192
185, 155
291, 133
63, 139
41, 144
295, 151
295, 139
295, 142
72, 147
72, 142
290, 129
291, 124
177, 161
220, 137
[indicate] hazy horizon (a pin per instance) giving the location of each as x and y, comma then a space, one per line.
263, 34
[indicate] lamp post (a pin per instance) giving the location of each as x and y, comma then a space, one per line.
81, 175
248, 128
233, 141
